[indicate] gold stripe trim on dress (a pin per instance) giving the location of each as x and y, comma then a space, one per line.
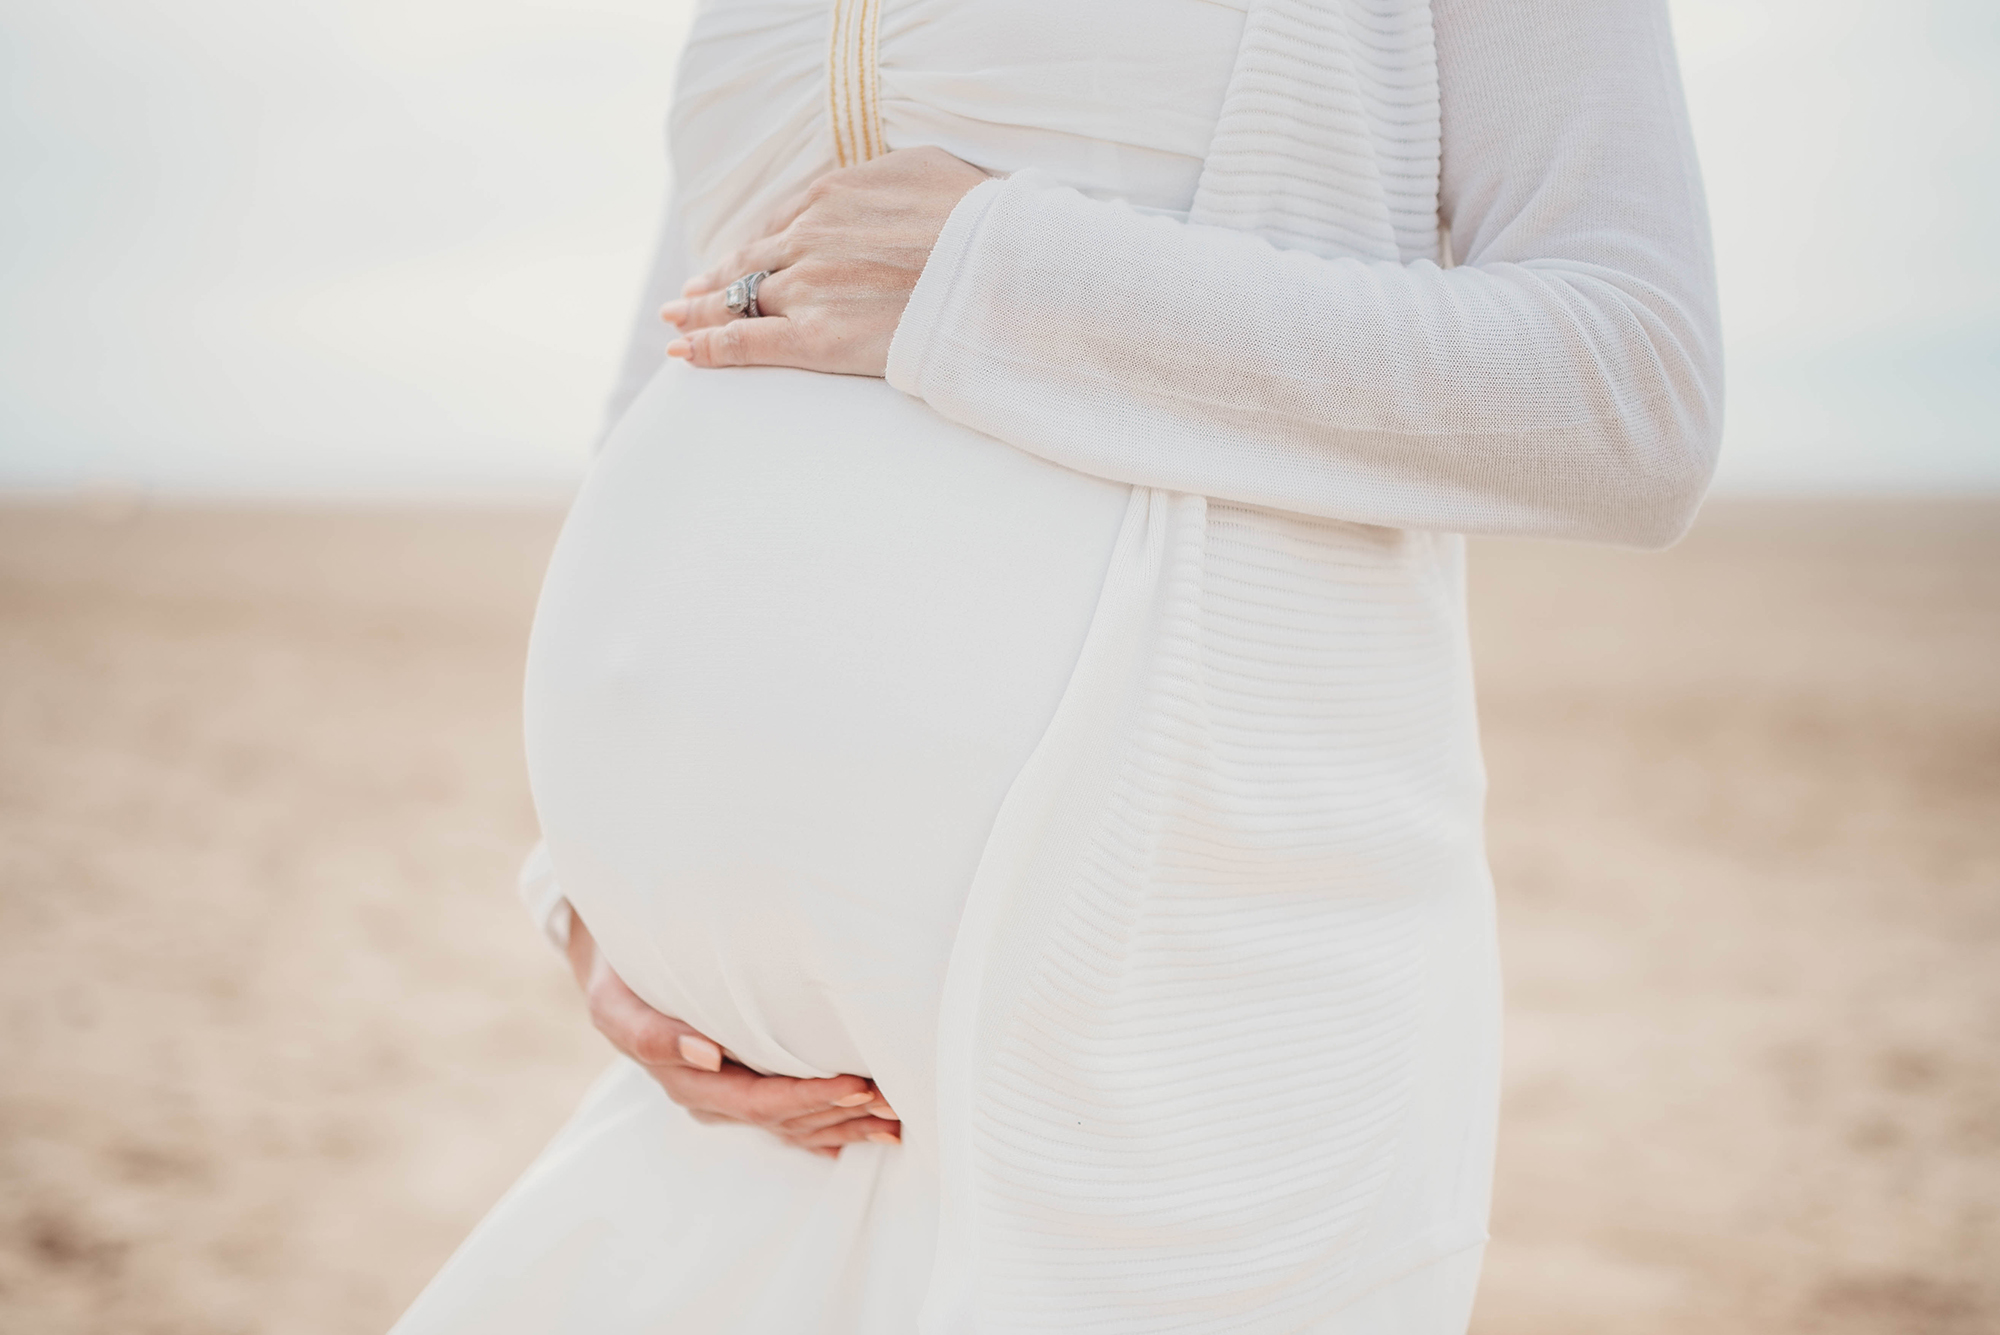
853, 81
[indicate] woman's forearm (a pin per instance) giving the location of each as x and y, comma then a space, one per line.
1564, 380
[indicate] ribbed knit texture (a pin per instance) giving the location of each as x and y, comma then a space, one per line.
1295, 346
1369, 132
1188, 1079
1193, 999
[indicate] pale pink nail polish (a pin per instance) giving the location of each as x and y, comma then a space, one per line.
884, 1138
699, 1052
885, 1112
682, 349
853, 1100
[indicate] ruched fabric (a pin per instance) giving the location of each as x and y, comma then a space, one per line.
1115, 100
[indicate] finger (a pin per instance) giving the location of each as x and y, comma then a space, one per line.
649, 1038
814, 1121
711, 309
872, 1106
767, 252
771, 341
701, 1053
872, 1129
704, 311
642, 1033
767, 1100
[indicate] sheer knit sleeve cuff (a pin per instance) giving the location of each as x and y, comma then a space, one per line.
931, 300
543, 898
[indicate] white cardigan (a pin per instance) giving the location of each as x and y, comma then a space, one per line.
1219, 1040
1307, 344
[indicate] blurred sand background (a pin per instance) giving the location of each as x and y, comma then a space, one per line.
276, 1032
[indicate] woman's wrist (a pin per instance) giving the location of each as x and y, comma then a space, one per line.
922, 320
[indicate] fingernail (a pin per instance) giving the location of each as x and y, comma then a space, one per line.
697, 284
884, 1137
674, 312
853, 1100
885, 1112
681, 348
699, 1052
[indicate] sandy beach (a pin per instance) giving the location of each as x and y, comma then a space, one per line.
276, 1032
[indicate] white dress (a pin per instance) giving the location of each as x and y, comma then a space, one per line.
797, 640
1128, 838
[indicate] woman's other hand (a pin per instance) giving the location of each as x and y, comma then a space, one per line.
843, 260
817, 1115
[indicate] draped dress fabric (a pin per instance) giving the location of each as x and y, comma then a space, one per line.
1185, 982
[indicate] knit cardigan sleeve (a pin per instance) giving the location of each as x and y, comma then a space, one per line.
1563, 379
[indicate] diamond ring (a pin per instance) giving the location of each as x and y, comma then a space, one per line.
741, 297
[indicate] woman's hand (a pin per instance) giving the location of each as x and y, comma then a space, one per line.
817, 1115
843, 261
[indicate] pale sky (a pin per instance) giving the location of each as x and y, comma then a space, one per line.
382, 247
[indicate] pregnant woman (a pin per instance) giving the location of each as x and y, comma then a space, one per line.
1000, 709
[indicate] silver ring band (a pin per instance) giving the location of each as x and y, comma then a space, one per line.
741, 296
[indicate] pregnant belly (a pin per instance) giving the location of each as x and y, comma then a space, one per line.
797, 639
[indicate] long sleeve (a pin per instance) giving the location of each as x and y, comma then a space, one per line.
543, 898
1564, 379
